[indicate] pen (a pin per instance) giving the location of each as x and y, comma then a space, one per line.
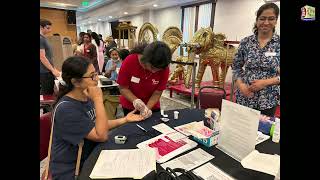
143, 129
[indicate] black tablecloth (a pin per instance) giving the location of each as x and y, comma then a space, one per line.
135, 136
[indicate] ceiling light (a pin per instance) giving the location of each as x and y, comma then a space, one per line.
125, 13
99, 19
155, 5
110, 16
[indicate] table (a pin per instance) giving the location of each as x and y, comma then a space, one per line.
114, 84
135, 136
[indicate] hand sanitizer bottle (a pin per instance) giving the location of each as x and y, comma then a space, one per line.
276, 131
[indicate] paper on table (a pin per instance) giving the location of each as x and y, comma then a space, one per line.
239, 126
127, 163
211, 172
189, 161
261, 137
190, 128
163, 128
41, 97
266, 163
168, 146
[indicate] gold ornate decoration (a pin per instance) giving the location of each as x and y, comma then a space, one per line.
212, 51
172, 36
144, 33
126, 26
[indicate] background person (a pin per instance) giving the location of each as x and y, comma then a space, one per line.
143, 76
47, 71
259, 54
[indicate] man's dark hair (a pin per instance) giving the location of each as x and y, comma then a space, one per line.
44, 23
158, 54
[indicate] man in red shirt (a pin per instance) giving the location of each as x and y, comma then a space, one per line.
143, 76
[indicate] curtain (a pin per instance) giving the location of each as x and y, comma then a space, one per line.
204, 17
188, 26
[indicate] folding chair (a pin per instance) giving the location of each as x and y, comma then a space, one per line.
210, 97
45, 129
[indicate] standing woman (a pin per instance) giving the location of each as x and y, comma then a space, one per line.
79, 115
100, 47
89, 50
143, 76
258, 84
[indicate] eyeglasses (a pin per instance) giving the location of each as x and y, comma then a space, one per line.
263, 18
93, 76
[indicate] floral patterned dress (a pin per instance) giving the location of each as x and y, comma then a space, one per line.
252, 63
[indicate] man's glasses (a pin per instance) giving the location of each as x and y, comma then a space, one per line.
263, 18
93, 76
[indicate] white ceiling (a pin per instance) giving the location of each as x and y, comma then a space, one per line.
102, 9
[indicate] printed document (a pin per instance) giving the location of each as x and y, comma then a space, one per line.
261, 137
266, 163
189, 161
163, 128
239, 126
211, 172
168, 146
126, 163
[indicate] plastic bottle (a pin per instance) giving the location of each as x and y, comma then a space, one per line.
276, 131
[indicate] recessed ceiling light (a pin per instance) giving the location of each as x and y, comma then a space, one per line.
99, 19
110, 16
155, 5
125, 13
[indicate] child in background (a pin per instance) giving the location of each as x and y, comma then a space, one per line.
113, 65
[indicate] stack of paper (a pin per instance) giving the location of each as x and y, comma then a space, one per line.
168, 145
127, 163
266, 163
196, 129
211, 172
189, 161
238, 133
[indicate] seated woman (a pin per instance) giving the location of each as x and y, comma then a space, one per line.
113, 65
79, 115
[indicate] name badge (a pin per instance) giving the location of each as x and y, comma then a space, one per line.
267, 54
135, 79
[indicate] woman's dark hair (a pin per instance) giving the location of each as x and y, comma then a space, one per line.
96, 38
158, 54
81, 34
123, 53
260, 11
88, 34
139, 48
73, 67
113, 49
